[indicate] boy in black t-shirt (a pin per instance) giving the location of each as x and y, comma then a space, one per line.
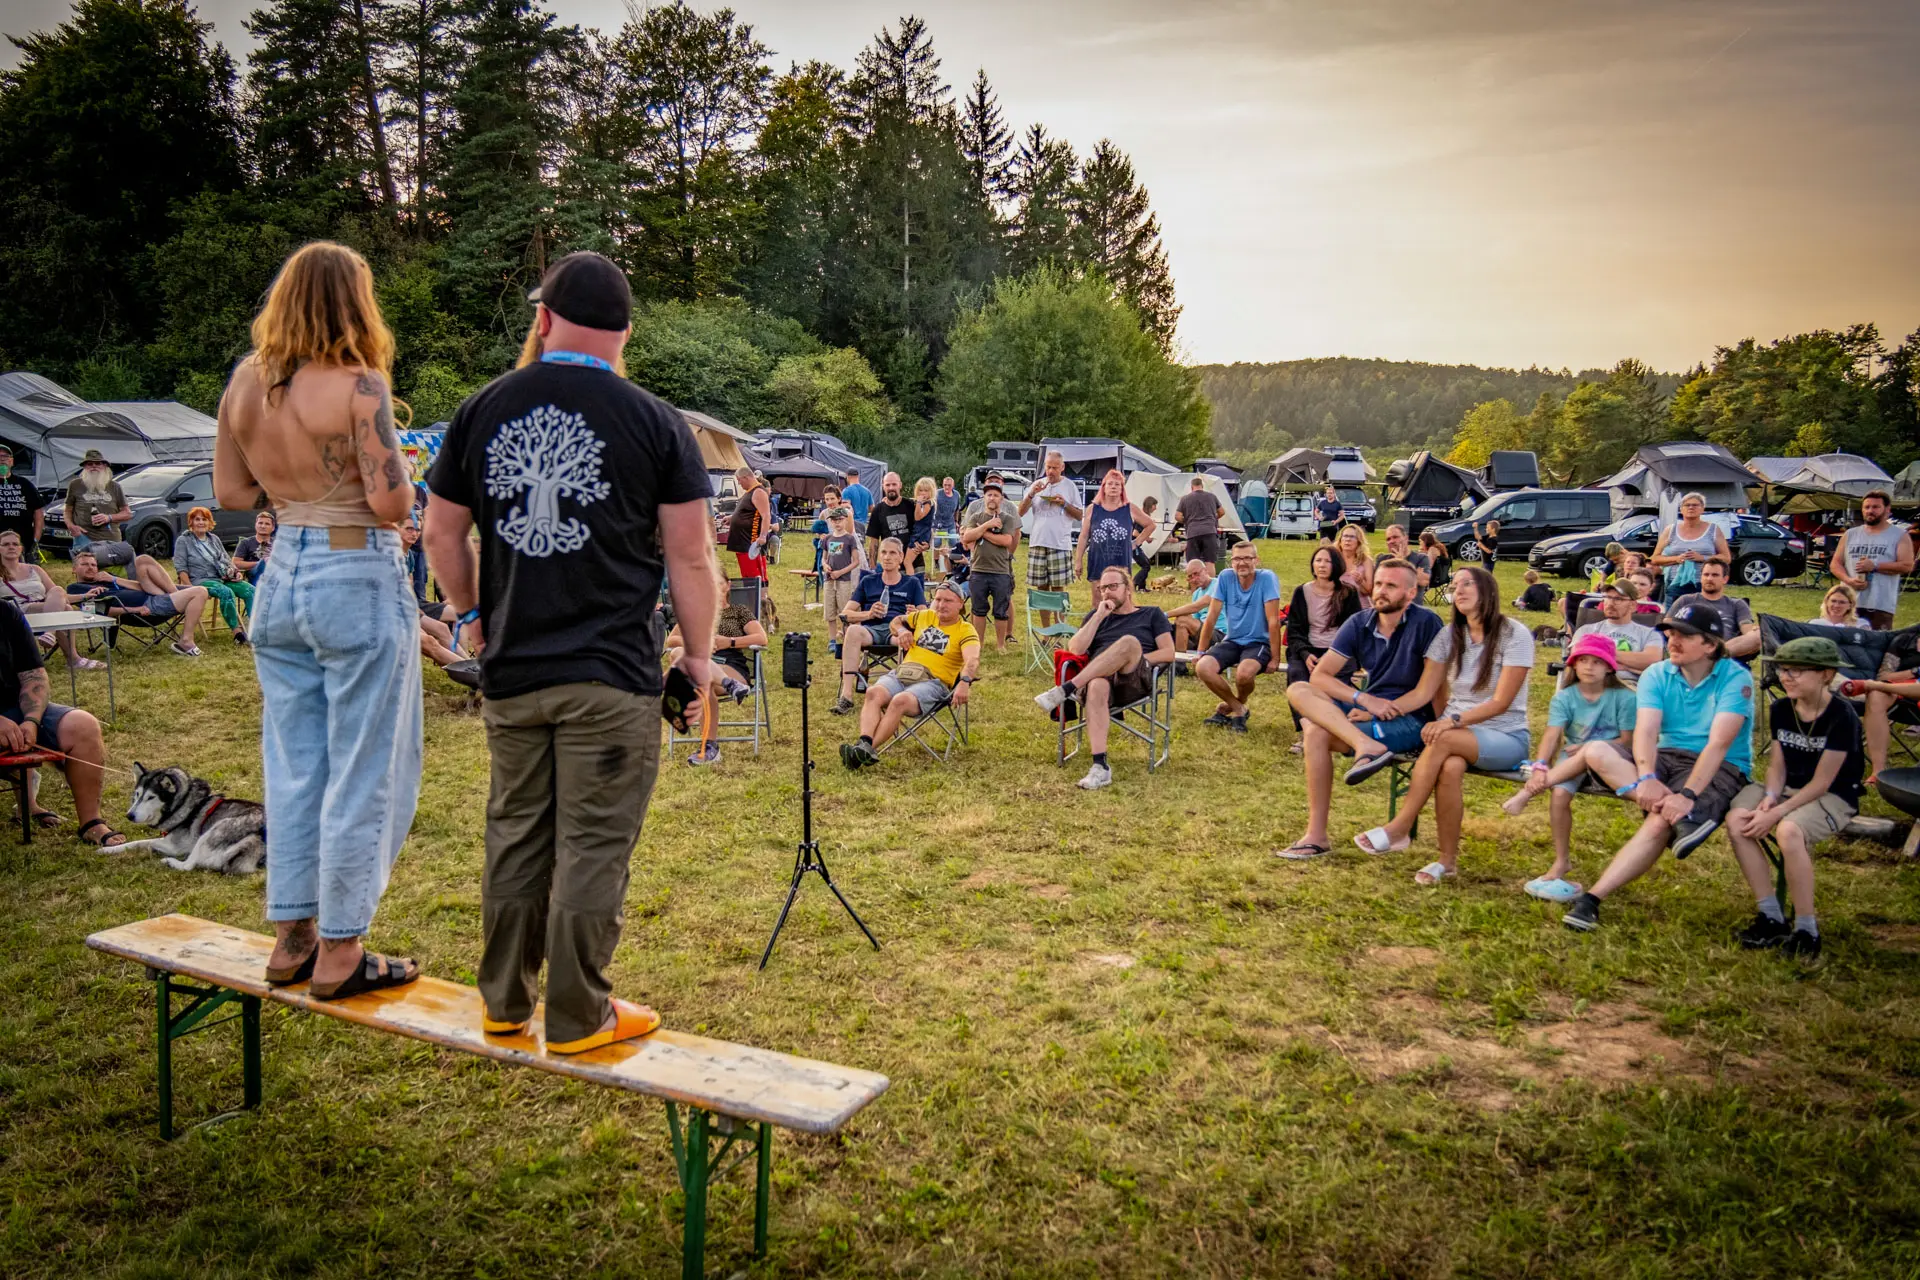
1812, 790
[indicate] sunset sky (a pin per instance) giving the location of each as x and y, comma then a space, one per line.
1505, 182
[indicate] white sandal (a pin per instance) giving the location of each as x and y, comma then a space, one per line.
1434, 872
1377, 841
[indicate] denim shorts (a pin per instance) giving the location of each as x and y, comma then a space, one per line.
931, 695
1402, 733
49, 735
1500, 749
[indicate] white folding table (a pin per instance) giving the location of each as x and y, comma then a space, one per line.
74, 620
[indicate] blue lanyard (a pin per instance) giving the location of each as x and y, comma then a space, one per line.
576, 357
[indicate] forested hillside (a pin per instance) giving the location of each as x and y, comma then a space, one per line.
1400, 404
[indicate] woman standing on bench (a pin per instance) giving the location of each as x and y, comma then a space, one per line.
1485, 658
306, 425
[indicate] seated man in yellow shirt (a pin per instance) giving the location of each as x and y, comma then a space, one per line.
941, 662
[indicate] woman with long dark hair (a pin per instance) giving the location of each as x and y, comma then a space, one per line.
306, 426
1319, 605
1485, 658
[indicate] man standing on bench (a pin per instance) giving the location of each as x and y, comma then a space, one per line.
1389, 642
1692, 751
579, 480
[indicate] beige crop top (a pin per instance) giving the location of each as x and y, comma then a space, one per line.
327, 510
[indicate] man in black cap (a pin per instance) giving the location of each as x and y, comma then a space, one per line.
582, 485
22, 507
1692, 752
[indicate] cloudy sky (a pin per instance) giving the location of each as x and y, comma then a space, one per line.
1505, 182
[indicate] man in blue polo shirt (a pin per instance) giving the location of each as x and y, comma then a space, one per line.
857, 496
1692, 751
1389, 642
1248, 599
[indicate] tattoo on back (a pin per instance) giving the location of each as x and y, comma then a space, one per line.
334, 452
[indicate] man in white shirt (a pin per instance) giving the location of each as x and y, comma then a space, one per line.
1054, 501
1640, 646
1872, 558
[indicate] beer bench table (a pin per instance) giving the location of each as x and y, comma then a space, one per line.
730, 1091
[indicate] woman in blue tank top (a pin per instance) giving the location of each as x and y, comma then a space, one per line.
1106, 530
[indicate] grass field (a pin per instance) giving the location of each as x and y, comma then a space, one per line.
1124, 1039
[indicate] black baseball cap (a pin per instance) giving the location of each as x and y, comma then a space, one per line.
993, 482
587, 290
1694, 620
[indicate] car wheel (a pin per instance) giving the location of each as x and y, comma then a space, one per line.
1467, 552
155, 541
1756, 571
1595, 563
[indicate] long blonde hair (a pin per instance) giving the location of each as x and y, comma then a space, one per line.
1366, 547
321, 309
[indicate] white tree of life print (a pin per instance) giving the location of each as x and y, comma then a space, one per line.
550, 454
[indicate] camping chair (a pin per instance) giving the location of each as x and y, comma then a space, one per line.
1154, 713
1865, 654
14, 770
1586, 615
746, 594
948, 720
1042, 641
148, 633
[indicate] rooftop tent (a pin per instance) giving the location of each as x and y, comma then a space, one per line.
54, 428
794, 476
1431, 490
1013, 453
1829, 482
1297, 467
177, 433
1090, 457
823, 449
1906, 485
1169, 489
720, 445
1346, 465
1774, 470
1659, 474
1228, 474
1511, 469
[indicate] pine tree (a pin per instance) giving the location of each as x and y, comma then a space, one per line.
985, 141
700, 83
798, 190
426, 46
315, 98
1117, 234
1042, 188
898, 77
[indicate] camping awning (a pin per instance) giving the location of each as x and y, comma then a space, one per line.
794, 476
176, 432
1087, 457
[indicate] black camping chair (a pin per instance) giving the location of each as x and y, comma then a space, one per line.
1868, 655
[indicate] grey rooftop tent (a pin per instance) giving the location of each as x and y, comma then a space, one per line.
1510, 469
794, 476
1659, 474
1828, 482
1906, 485
1427, 490
50, 429
824, 449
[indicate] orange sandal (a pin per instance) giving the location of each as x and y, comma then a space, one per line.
629, 1021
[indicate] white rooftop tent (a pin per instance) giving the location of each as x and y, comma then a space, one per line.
1087, 458
1659, 474
1828, 482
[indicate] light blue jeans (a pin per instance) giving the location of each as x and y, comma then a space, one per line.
336, 643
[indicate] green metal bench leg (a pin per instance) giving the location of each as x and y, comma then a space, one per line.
698, 1165
205, 1000
693, 1180
763, 1190
1399, 782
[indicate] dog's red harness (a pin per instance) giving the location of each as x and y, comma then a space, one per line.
207, 815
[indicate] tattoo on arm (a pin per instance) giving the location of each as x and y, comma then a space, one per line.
33, 693
376, 389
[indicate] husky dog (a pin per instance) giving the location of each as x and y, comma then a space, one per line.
204, 831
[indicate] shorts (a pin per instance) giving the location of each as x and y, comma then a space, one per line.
1672, 767
1124, 688
49, 735
160, 607
1822, 819
835, 594
1231, 653
751, 566
930, 694
1049, 568
991, 592
1500, 749
739, 661
946, 537
1400, 734
1204, 546
1328, 528
1878, 619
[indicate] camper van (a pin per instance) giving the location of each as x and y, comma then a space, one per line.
1293, 516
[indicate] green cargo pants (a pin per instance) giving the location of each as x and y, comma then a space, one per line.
573, 769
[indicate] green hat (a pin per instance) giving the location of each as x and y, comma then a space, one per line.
1809, 651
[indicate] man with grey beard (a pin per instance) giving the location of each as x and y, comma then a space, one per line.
96, 508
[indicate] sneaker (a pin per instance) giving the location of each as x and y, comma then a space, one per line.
738, 690
1238, 723
841, 706
1100, 776
1763, 932
1584, 915
848, 756
239, 636
1802, 946
1218, 720
1050, 699
1689, 835
709, 753
865, 754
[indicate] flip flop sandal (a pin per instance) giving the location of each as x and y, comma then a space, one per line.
1555, 890
376, 973
1376, 841
46, 817
298, 973
1303, 851
109, 834
1434, 873
495, 1027
630, 1021
1365, 768
89, 664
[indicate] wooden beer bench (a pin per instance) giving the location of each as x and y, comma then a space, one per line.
730, 1091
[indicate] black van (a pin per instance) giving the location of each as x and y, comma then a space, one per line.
1525, 517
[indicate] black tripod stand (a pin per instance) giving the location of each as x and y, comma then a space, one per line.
808, 858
